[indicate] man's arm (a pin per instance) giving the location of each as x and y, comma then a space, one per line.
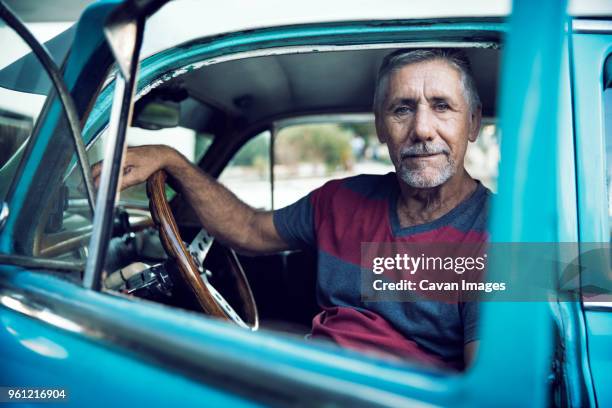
223, 215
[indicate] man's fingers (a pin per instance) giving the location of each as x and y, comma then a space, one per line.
96, 173
126, 181
129, 179
96, 169
135, 169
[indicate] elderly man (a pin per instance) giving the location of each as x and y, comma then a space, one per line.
427, 110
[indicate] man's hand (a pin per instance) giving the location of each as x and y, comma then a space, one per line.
140, 163
222, 214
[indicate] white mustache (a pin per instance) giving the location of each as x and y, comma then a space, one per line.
421, 149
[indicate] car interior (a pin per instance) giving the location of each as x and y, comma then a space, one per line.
231, 103
219, 112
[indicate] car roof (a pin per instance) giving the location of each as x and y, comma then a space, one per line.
197, 19
261, 89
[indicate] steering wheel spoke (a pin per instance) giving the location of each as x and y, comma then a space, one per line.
224, 304
199, 248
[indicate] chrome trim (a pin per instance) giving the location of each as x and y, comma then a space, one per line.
123, 31
598, 306
592, 26
100, 227
21, 304
4, 213
122, 36
41, 263
107, 192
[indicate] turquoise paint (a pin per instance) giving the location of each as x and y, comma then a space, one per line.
292, 358
94, 375
566, 170
574, 326
590, 52
599, 335
515, 355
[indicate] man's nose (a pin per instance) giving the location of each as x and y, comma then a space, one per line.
423, 129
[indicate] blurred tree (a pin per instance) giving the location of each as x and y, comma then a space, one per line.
318, 143
364, 129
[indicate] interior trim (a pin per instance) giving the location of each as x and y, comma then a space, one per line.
592, 26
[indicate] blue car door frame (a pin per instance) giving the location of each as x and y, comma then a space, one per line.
591, 45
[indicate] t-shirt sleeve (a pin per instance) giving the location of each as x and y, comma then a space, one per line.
295, 223
469, 315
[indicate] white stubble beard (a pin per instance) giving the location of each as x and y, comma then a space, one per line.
418, 178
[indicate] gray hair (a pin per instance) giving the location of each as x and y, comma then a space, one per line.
400, 58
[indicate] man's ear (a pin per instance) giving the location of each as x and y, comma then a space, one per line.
475, 124
380, 129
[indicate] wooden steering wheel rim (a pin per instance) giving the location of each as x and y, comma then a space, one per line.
175, 248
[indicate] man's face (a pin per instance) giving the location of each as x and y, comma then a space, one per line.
426, 122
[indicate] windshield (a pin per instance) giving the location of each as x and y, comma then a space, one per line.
62, 213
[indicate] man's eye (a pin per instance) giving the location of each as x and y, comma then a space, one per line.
441, 107
402, 110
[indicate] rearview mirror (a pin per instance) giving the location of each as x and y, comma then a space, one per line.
157, 114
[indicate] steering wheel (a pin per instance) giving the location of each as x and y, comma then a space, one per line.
190, 260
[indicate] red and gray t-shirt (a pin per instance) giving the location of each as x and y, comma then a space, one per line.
335, 219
